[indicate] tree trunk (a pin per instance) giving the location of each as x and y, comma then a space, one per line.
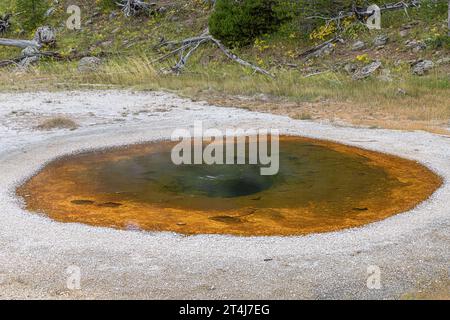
30, 48
43, 36
19, 43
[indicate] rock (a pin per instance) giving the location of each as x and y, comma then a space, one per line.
89, 64
405, 30
29, 51
398, 62
418, 48
415, 45
385, 75
45, 35
162, 10
380, 41
325, 51
404, 33
262, 97
113, 15
106, 44
401, 91
49, 12
367, 71
29, 56
358, 45
443, 61
421, 67
350, 68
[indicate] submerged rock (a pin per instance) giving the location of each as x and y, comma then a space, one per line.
226, 219
82, 202
110, 205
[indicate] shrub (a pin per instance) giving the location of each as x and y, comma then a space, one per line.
32, 12
107, 5
58, 123
239, 22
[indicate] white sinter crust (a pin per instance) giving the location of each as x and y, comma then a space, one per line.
411, 249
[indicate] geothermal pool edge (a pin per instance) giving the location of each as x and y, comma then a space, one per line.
411, 249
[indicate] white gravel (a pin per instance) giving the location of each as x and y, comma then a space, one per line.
411, 249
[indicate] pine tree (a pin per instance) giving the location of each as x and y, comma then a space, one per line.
32, 12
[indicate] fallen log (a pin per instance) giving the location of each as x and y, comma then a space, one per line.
26, 58
44, 36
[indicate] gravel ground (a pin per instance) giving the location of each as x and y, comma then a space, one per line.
410, 249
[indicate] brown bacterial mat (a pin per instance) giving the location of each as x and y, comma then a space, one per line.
321, 186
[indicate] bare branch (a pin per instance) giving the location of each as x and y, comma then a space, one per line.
4, 23
194, 43
19, 43
235, 58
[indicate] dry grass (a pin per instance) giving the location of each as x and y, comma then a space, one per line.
423, 103
436, 290
57, 123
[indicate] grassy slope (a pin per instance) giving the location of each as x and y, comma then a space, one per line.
128, 48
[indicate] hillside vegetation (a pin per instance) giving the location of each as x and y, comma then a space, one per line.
318, 87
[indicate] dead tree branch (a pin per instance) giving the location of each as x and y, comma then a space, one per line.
5, 23
19, 43
135, 7
43, 36
235, 58
190, 45
31, 48
308, 53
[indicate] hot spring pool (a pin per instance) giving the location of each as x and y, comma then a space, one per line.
321, 186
